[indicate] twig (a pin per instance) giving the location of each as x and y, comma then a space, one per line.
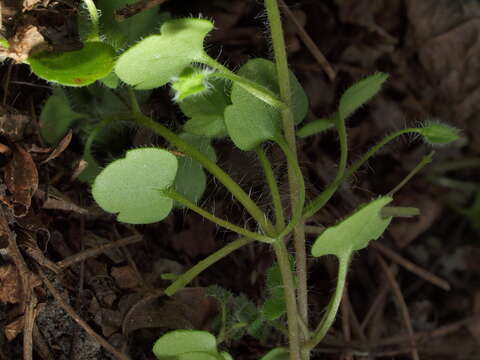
134, 9
401, 304
408, 265
71, 312
307, 40
65, 263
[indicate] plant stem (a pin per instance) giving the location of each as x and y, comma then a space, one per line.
274, 191
213, 168
252, 87
425, 161
317, 203
193, 272
281, 61
174, 195
281, 254
92, 11
332, 309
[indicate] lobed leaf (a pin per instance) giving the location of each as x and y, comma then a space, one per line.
156, 59
57, 117
355, 232
180, 342
360, 93
75, 68
206, 111
131, 187
249, 120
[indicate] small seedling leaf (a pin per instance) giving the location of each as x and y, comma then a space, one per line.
75, 68
355, 232
57, 117
206, 111
315, 127
191, 82
249, 120
131, 187
155, 60
191, 179
274, 306
197, 355
276, 354
179, 342
360, 93
124, 33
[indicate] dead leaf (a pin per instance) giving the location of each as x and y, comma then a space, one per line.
58, 201
13, 125
474, 327
10, 285
62, 145
125, 277
21, 178
14, 328
26, 41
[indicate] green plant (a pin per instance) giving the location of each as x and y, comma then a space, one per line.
262, 102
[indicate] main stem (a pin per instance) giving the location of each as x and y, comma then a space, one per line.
283, 74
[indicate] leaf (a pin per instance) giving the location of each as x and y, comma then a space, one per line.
226, 356
206, 111
191, 179
355, 232
123, 33
315, 127
276, 354
360, 93
249, 120
198, 355
274, 306
131, 187
75, 68
156, 59
436, 133
57, 117
178, 342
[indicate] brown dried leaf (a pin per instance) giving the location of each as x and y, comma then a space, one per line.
21, 178
13, 125
10, 285
14, 328
62, 145
26, 41
125, 277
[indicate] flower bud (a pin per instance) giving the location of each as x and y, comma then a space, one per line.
437, 133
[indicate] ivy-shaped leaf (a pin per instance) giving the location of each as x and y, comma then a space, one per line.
57, 117
249, 120
131, 187
75, 68
156, 59
124, 33
178, 343
355, 232
191, 179
360, 93
206, 111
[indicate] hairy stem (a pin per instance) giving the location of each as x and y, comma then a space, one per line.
92, 11
174, 195
213, 168
274, 191
291, 304
191, 274
332, 309
281, 61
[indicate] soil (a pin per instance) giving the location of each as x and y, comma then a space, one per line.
413, 294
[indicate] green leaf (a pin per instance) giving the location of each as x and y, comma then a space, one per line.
355, 232
315, 127
75, 68
276, 354
206, 111
156, 59
197, 355
179, 342
124, 33
4, 42
226, 356
190, 83
274, 306
249, 120
191, 179
111, 81
57, 117
360, 93
131, 187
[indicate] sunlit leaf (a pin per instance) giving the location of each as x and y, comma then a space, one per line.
131, 186
156, 59
178, 342
75, 68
